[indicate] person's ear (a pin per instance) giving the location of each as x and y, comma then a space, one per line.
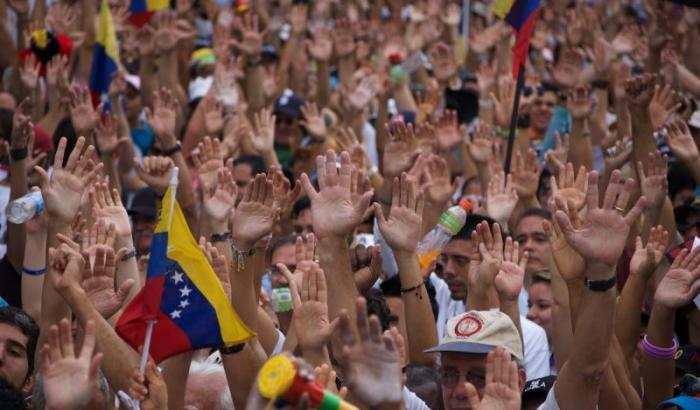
28, 385
522, 378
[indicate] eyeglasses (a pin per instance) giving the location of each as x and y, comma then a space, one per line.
528, 90
450, 377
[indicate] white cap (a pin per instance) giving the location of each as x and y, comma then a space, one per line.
480, 332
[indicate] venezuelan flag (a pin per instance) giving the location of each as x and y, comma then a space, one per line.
105, 60
521, 15
182, 293
142, 10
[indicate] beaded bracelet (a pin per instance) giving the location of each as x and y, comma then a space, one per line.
660, 353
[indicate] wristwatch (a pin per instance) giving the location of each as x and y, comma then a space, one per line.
600, 285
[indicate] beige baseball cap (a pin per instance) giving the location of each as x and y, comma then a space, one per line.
479, 332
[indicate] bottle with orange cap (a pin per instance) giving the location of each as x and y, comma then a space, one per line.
283, 381
451, 221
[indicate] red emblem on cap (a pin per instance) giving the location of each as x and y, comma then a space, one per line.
468, 326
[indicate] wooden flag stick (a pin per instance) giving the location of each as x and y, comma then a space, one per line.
514, 118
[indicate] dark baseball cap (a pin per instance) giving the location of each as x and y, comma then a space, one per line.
688, 360
538, 388
143, 204
289, 105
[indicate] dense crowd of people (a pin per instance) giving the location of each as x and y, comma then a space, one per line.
314, 145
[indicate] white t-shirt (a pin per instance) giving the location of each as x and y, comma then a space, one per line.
536, 354
412, 401
550, 403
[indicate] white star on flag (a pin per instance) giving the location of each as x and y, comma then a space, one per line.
184, 303
177, 277
175, 314
184, 292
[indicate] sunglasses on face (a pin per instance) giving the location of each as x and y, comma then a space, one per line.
529, 90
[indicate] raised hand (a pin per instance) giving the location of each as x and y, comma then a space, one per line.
568, 262
364, 92
321, 47
487, 253
640, 90
502, 390
69, 381
213, 115
509, 280
526, 174
579, 103
82, 114
155, 172
653, 179
647, 257
208, 160
343, 39
282, 192
400, 151
679, 286
220, 199
338, 207
503, 103
425, 139
372, 362
501, 197
348, 141
617, 155
571, 187
108, 208
218, 264
444, 67
447, 132
481, 147
402, 229
169, 31
263, 138
438, 189
366, 263
98, 277
255, 214
556, 158
310, 301
662, 105
106, 136
681, 142
163, 118
313, 121
251, 36
63, 192
29, 72
608, 224
21, 126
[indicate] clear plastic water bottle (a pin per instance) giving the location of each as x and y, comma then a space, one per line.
451, 221
23, 209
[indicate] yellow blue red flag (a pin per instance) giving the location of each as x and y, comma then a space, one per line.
105, 59
142, 10
182, 294
521, 15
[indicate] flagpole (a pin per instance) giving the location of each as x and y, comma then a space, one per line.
173, 192
151, 322
514, 118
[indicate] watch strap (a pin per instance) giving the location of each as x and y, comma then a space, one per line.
600, 285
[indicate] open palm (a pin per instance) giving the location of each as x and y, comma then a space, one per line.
678, 287
338, 207
255, 214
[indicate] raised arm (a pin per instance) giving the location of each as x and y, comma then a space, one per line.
336, 209
402, 231
675, 290
580, 379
